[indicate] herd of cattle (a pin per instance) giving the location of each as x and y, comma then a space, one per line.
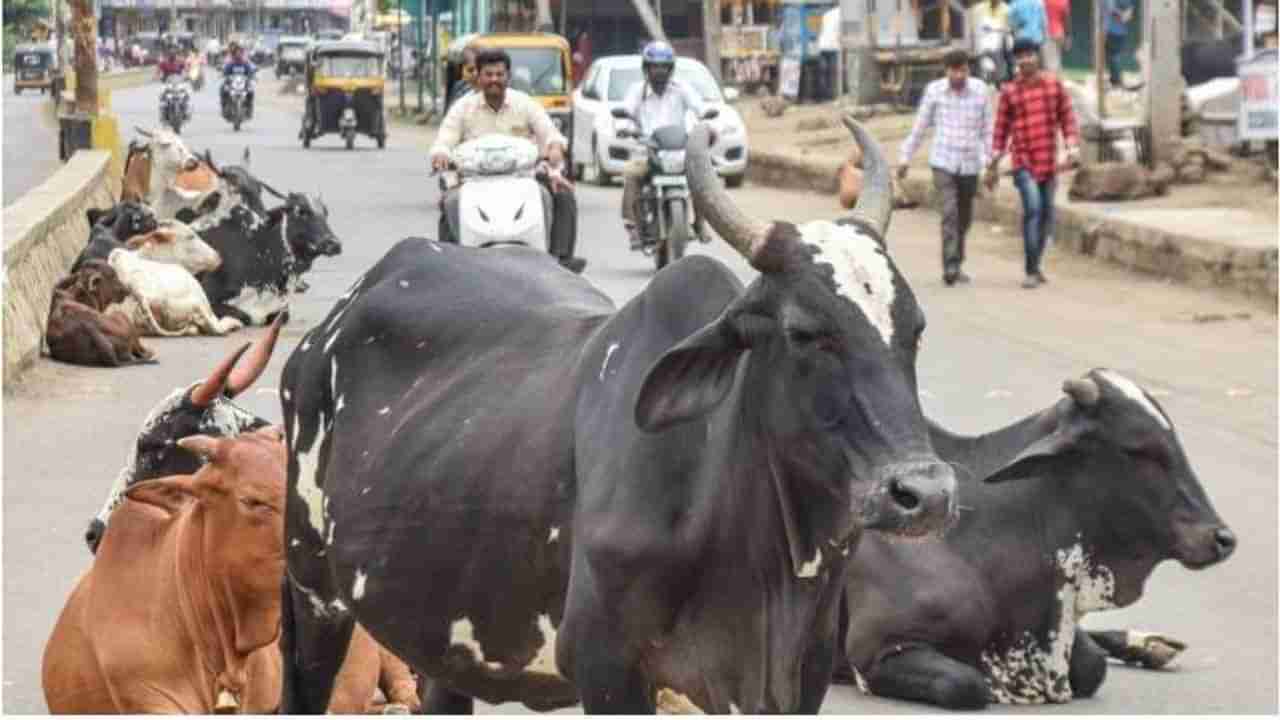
714, 498
190, 249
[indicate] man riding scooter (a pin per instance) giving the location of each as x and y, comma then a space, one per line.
238, 64
657, 102
496, 109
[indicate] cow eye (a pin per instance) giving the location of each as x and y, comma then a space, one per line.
254, 505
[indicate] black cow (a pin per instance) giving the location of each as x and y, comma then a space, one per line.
484, 455
1098, 492
204, 408
110, 229
258, 255
1204, 60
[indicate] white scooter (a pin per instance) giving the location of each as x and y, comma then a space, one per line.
499, 200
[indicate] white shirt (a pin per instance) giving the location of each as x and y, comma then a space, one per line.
520, 116
653, 111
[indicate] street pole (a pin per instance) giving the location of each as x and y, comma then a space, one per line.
400, 49
435, 53
173, 16
1099, 57
711, 36
544, 23
419, 65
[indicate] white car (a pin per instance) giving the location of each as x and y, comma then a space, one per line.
596, 144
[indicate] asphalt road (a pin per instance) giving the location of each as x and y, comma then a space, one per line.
993, 353
30, 142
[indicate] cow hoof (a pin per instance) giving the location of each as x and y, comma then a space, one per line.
1155, 651
227, 703
395, 709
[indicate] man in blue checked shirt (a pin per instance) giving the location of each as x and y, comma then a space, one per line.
958, 108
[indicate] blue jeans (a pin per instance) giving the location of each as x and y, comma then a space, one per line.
1037, 215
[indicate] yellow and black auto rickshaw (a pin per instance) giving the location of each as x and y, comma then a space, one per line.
541, 65
345, 86
35, 67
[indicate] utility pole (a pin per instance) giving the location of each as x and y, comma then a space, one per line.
173, 16
711, 36
544, 22
1099, 56
652, 23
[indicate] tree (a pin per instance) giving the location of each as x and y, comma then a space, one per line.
18, 13
83, 26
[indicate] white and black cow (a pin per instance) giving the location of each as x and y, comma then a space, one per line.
531, 495
260, 254
204, 408
1063, 513
110, 229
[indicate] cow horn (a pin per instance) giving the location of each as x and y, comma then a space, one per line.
1083, 390
143, 133
272, 190
211, 388
243, 377
875, 203
712, 202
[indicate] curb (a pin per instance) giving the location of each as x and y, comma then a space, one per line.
1184, 259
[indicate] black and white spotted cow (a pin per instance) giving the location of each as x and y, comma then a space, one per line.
531, 495
204, 408
1066, 512
110, 229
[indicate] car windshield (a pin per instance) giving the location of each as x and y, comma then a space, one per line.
32, 60
537, 71
348, 66
694, 76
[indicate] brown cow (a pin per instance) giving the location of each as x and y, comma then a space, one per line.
214, 551
79, 332
184, 588
137, 173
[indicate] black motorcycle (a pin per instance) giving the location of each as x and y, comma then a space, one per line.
235, 104
175, 104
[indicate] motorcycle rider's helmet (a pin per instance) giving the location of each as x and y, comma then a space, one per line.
657, 61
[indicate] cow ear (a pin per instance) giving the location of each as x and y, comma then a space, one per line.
93, 215
1036, 458
692, 378
202, 446
170, 494
138, 241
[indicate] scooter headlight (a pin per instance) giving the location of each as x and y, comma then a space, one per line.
671, 161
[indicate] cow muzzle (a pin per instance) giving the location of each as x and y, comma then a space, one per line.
331, 247
1203, 544
911, 500
93, 535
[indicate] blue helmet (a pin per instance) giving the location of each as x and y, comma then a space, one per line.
657, 53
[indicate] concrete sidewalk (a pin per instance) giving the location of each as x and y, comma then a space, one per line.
1221, 234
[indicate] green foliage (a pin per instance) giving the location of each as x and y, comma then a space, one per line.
19, 13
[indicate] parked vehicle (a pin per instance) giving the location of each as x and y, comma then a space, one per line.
35, 68
602, 154
291, 55
664, 218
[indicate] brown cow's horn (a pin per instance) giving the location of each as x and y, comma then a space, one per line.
875, 203
243, 377
208, 159
1083, 390
211, 388
713, 203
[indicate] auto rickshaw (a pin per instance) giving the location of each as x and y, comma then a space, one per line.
344, 92
35, 67
291, 55
541, 65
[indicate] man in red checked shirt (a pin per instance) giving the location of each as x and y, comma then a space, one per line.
1032, 110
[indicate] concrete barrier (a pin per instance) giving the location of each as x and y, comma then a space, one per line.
44, 231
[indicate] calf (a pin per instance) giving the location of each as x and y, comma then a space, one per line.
173, 242
258, 256
1068, 512
167, 300
185, 587
79, 333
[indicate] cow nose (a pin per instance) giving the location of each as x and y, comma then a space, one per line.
918, 498
93, 536
1224, 542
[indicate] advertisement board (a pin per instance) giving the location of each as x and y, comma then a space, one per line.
1259, 98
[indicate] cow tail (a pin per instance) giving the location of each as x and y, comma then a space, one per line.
153, 325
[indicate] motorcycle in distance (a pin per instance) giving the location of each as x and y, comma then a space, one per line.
664, 212
236, 108
175, 103
994, 44
500, 200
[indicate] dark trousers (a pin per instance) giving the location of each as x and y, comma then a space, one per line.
958, 192
564, 224
1115, 46
1037, 216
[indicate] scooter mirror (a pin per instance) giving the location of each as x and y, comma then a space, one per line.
620, 113
711, 114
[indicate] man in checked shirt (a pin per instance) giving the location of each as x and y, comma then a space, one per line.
959, 109
1033, 108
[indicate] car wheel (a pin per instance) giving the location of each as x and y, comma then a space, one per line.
735, 181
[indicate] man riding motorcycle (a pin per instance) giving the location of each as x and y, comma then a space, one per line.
496, 109
238, 64
171, 65
657, 102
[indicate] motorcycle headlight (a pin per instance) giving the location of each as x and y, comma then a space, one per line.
671, 161
561, 122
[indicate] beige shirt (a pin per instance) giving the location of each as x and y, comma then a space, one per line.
520, 116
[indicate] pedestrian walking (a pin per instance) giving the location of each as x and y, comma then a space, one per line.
958, 109
1119, 13
1028, 22
1033, 109
1058, 13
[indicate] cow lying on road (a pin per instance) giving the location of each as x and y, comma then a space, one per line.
1065, 512
78, 332
467, 425
166, 299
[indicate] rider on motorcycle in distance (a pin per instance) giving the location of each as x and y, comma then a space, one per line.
171, 65
657, 102
238, 64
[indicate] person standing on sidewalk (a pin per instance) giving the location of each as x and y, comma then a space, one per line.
1119, 13
1028, 22
1032, 110
1058, 13
958, 108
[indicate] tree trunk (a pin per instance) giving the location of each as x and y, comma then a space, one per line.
84, 34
